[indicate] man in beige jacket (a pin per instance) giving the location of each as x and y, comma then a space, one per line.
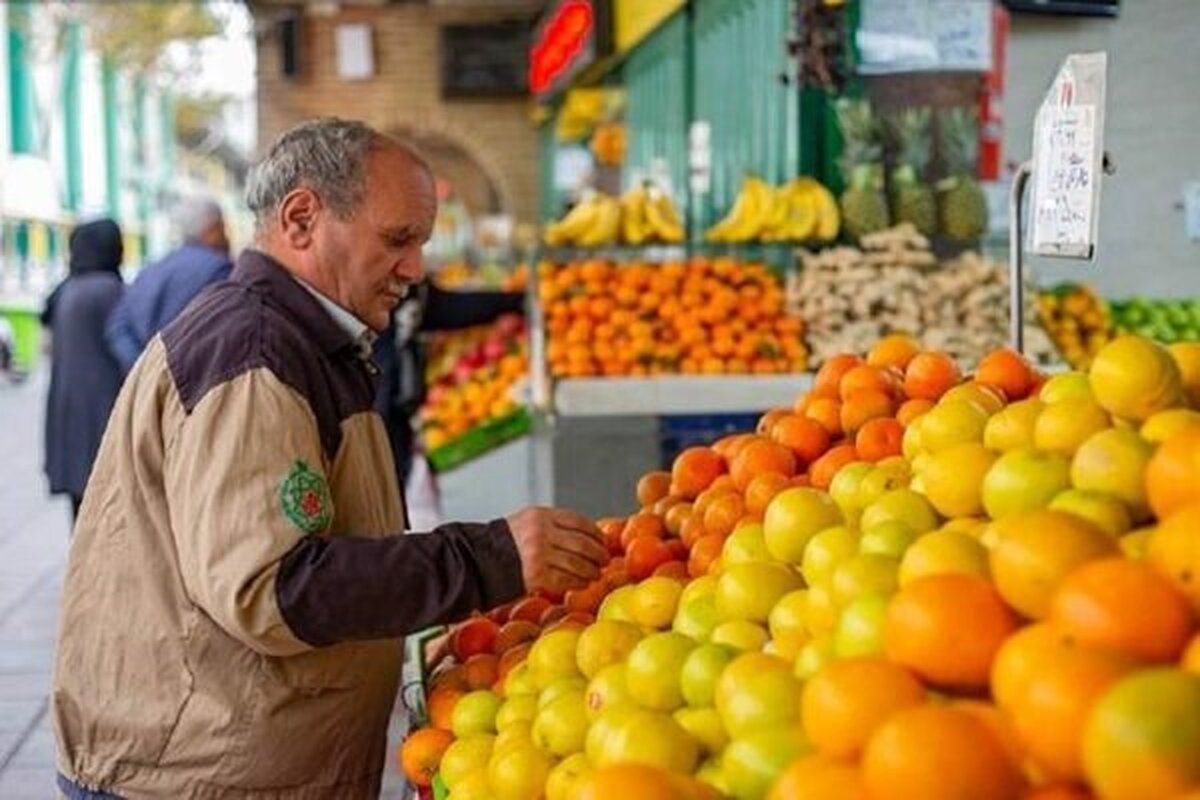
237, 584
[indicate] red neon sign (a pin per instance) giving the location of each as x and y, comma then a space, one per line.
561, 41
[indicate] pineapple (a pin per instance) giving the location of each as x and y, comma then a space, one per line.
963, 206
912, 198
864, 207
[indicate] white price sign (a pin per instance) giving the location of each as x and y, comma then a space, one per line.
1068, 160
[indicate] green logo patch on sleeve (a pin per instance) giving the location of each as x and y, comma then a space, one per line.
305, 499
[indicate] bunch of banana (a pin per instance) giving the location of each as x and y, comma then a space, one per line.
750, 213
594, 222
648, 215
800, 210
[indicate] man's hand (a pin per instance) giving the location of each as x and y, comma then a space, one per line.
559, 549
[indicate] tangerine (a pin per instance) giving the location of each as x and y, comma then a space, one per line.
861, 406
1008, 371
804, 436
1173, 474
694, 471
947, 628
652, 487
910, 410
863, 377
758, 458
846, 701
815, 777
1125, 607
878, 439
822, 471
828, 379
893, 350
762, 489
421, 754
930, 375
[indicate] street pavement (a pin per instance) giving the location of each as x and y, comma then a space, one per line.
34, 535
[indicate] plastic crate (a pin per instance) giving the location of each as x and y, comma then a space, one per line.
677, 433
480, 440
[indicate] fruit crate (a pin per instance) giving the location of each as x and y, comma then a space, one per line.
480, 440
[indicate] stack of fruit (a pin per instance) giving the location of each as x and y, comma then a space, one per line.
1077, 320
1166, 321
709, 316
473, 377
801, 210
461, 276
643, 215
849, 297
995, 598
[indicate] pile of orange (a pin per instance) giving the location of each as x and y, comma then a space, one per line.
1029, 655
705, 316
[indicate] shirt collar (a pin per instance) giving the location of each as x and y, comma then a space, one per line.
309, 307
356, 329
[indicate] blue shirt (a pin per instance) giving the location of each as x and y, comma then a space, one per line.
158, 294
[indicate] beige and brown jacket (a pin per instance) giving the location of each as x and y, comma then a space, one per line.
237, 588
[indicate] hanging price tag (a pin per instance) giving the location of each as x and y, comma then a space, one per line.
1068, 161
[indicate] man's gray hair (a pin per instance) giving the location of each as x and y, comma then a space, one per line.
327, 155
195, 215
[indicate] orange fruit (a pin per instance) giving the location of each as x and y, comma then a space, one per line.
863, 377
675, 516
846, 701
821, 471
911, 409
863, 405
1174, 549
476, 635
692, 528
947, 629
644, 555
766, 423
704, 552
805, 437
827, 412
1020, 658
930, 375
1173, 474
652, 487
482, 670
828, 379
1050, 712
893, 350
513, 633
642, 524
1123, 606
937, 753
1034, 551
723, 514
421, 754
1058, 791
440, 706
611, 529
632, 781
694, 470
816, 777
727, 446
1143, 736
878, 439
1008, 371
758, 458
530, 609
762, 489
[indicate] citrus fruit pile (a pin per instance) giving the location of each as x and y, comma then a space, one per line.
913, 584
711, 316
471, 377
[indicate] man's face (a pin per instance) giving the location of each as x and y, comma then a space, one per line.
374, 256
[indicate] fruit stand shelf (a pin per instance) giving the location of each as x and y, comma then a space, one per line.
676, 394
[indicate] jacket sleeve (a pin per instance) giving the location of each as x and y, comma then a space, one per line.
252, 516
446, 311
119, 333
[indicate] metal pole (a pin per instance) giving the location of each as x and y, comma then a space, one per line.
1016, 276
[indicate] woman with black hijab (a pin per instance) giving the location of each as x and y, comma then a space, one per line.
84, 376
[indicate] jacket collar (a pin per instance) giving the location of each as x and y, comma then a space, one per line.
257, 269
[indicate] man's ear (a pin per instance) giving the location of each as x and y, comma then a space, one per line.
299, 213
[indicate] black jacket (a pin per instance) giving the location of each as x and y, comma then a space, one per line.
84, 375
401, 363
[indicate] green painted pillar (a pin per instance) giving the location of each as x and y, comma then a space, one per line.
112, 148
72, 144
140, 156
21, 108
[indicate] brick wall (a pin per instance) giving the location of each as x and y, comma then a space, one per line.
404, 97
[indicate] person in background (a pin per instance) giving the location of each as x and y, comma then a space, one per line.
397, 352
84, 376
164, 288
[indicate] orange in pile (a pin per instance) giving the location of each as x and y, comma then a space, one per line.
705, 316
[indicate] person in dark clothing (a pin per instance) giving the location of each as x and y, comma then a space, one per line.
397, 353
164, 289
84, 376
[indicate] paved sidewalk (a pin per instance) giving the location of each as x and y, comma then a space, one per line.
33, 547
